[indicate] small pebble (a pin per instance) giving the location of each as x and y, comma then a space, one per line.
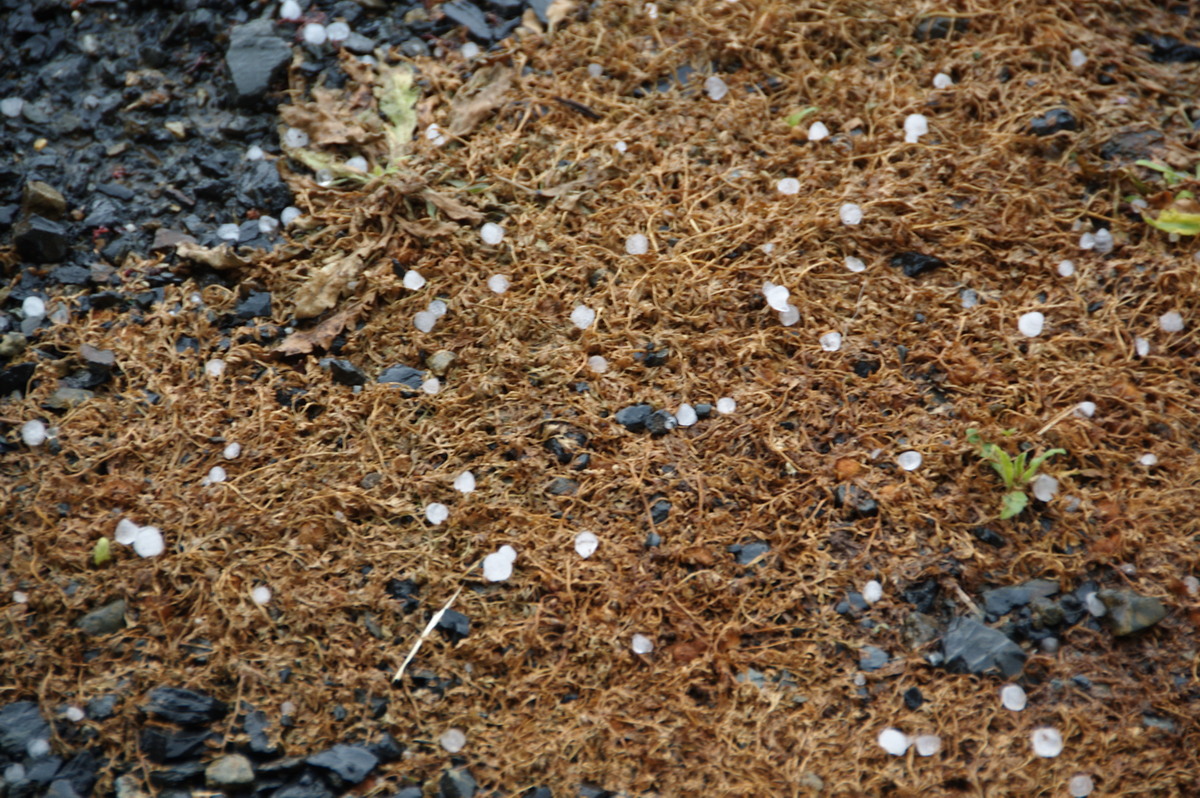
597, 364
686, 415
715, 88
583, 316
637, 244
894, 741
855, 264
453, 740
928, 744
414, 280
1170, 322
872, 591
436, 513
232, 451
942, 81
586, 544
315, 34
498, 283
1085, 409
33, 433
1080, 786
1149, 459
910, 460
817, 131
789, 186
1078, 58
464, 482
261, 595
215, 367
850, 213
1047, 742
831, 341
641, 644
725, 405
1031, 324
294, 138
1013, 697
915, 126
491, 233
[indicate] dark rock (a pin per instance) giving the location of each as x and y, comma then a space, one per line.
913, 698
654, 355
359, 44
387, 748
872, 658
255, 56
540, 7
1129, 613
1044, 613
61, 788
857, 602
43, 769
971, 647
102, 707
260, 186
1132, 145
1169, 50
855, 499
351, 763
404, 590
20, 724
229, 771
81, 771
181, 774
914, 264
561, 486
255, 725
405, 375
746, 553
1052, 121
564, 442
414, 48
454, 626
922, 595
185, 707
1002, 600
41, 240
660, 511
930, 28
467, 14
161, 744
104, 621
457, 783
101, 358
256, 304
116, 191
653, 540
16, 378
865, 368
986, 534
660, 422
104, 213
344, 372
71, 275
634, 417
307, 786
409, 792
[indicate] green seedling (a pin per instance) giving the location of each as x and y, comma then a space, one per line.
1016, 472
799, 116
1182, 216
101, 553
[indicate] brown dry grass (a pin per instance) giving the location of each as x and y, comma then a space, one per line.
699, 179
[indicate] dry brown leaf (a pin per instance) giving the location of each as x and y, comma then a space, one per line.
425, 229
481, 95
219, 258
452, 207
320, 337
559, 10
325, 286
330, 120
564, 188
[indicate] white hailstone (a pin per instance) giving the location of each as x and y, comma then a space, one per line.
424, 320
33, 432
414, 280
464, 482
436, 513
652, 10
254, 153
149, 542
915, 126
232, 451
323, 177
267, 224
777, 296
1045, 487
228, 232
12, 107
74, 714
1065, 268
1085, 409
20, 597
817, 131
637, 244
216, 474
261, 595
126, 531
1170, 322
1031, 324
294, 138
289, 215
491, 233
855, 264
789, 186
831, 341
595, 70
215, 367
469, 50
498, 283
641, 644
357, 164
872, 591
1047, 742
686, 415
438, 308
928, 744
434, 134
37, 748
910, 460
969, 298
1103, 241
725, 405
453, 740
850, 213
1080, 786
33, 308
768, 248
337, 31
1192, 585
1149, 459
1140, 204
290, 11
789, 316
620, 146
1087, 241
1078, 58
894, 741
942, 81
1013, 697
583, 316
315, 34
1095, 606
498, 566
586, 544
1141, 346
715, 88
597, 364
431, 386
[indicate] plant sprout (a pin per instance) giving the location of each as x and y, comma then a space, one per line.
1016, 472
1182, 215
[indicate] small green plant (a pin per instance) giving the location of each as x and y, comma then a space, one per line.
1182, 215
1016, 472
101, 553
796, 118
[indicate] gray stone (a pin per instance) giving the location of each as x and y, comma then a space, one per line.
872, 658
232, 770
359, 44
20, 724
351, 763
405, 375
457, 783
971, 647
185, 707
1004, 599
255, 56
104, 621
41, 240
66, 398
1129, 613
44, 200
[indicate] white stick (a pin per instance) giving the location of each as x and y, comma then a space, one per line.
429, 627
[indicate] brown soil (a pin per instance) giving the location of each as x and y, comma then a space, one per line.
327, 507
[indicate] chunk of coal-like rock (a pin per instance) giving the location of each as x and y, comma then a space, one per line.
102, 707
105, 620
1132, 145
454, 626
929, 28
404, 375
703, 410
387, 748
1052, 121
855, 499
255, 56
922, 595
61, 788
660, 511
1169, 50
185, 707
865, 368
307, 786
350, 763
161, 744
255, 305
1129, 612
634, 417
343, 371
41, 240
457, 783
872, 658
179, 775
467, 14
229, 772
746, 553
16, 378
255, 725
81, 771
660, 422
1001, 600
985, 534
971, 647
913, 698
20, 724
260, 186
914, 264
561, 486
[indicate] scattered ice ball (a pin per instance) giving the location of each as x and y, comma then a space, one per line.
1095, 606
777, 296
436, 513
37, 747
470, 50
33, 307
437, 307
1045, 487
855, 264
928, 744
294, 138
75, 714
254, 153
498, 566
1078, 58
1031, 324
641, 644
686, 415
652, 10
915, 126
1149, 459
216, 474
215, 367
789, 316
586, 544
357, 164
498, 283
715, 88
597, 364
1085, 409
817, 131
261, 595
33, 432
289, 215
434, 134
464, 482
1013, 697
894, 741
491, 233
789, 186
148, 542
620, 146
969, 298
831, 341
850, 213
431, 386
910, 460
595, 70
1065, 268
267, 225
453, 740
315, 34
1047, 742
725, 405
232, 451
290, 11
20, 597
942, 81
1102, 239
1170, 322
126, 531
424, 320
583, 316
1192, 585
637, 244
1141, 346
12, 107
228, 232
1080, 786
1087, 241
872, 591
414, 280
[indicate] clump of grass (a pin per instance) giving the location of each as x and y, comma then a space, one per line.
1016, 472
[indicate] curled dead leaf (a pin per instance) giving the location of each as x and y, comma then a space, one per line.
452, 207
326, 284
219, 258
478, 97
303, 342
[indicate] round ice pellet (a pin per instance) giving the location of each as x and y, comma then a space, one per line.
294, 138
850, 213
583, 316
1046, 742
491, 233
261, 595
715, 88
453, 740
436, 513
598, 364
289, 215
290, 11
1031, 324
726, 405
1012, 697
817, 131
337, 32
910, 460
942, 81
315, 34
788, 185
464, 482
586, 544
33, 433
640, 644
894, 741
686, 416
915, 126
33, 307
1170, 322
498, 283
872, 591
855, 264
414, 280
637, 244
228, 232
831, 341
928, 744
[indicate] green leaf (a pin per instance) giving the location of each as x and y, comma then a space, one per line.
1030, 472
1014, 503
398, 103
798, 117
1169, 175
1173, 221
101, 553
973, 436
